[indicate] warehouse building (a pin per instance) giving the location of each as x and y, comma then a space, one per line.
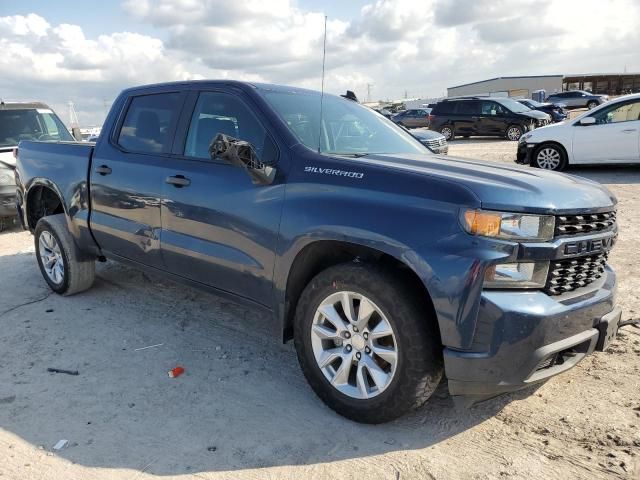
525, 86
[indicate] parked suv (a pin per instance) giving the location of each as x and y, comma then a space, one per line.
414, 118
22, 121
578, 99
471, 116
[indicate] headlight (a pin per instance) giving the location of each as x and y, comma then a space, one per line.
7, 178
508, 226
517, 275
525, 137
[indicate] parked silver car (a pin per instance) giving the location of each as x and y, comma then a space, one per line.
578, 99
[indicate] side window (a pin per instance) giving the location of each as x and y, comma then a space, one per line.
147, 124
216, 113
468, 108
628, 112
491, 108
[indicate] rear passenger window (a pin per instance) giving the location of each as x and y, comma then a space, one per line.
220, 113
148, 123
469, 108
445, 108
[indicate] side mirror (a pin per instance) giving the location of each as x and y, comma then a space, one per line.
588, 121
242, 154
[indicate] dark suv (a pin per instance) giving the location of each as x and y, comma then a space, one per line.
499, 117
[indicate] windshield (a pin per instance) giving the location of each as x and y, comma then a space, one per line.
534, 103
31, 124
515, 107
348, 128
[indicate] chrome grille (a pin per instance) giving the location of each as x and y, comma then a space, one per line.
581, 224
436, 142
567, 275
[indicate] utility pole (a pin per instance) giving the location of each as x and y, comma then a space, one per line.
369, 85
73, 116
73, 122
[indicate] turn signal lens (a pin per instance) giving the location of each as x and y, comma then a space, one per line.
509, 226
482, 223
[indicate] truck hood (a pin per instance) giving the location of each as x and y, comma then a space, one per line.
505, 187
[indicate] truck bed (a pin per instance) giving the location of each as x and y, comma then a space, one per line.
65, 166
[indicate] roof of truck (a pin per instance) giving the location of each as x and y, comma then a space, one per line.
236, 83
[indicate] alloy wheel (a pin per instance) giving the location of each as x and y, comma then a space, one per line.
548, 158
514, 133
354, 345
51, 257
447, 133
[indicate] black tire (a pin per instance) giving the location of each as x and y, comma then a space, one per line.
420, 366
514, 132
592, 104
448, 132
551, 150
79, 269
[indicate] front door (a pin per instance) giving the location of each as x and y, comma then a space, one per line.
218, 228
127, 177
614, 137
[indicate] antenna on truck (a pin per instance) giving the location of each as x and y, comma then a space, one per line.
324, 55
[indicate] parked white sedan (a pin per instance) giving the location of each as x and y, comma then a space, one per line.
609, 133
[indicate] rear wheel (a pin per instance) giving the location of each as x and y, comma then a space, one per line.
447, 133
64, 267
592, 104
514, 132
550, 157
364, 344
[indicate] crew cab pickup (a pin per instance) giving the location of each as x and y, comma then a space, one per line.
388, 266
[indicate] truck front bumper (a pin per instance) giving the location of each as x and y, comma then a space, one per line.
524, 338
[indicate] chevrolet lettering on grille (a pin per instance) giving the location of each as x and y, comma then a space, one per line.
589, 246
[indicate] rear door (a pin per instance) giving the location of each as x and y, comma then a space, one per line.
218, 228
614, 138
127, 176
467, 117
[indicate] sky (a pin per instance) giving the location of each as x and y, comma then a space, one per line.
87, 51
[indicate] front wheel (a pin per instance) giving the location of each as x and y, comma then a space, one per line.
365, 345
64, 267
591, 105
514, 132
550, 157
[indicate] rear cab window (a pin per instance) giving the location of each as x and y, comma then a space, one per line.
149, 123
39, 124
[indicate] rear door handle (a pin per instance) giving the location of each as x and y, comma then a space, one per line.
103, 170
629, 130
178, 181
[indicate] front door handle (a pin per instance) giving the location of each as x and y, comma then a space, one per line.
178, 181
103, 170
629, 130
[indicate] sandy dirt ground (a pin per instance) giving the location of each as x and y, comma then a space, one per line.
243, 409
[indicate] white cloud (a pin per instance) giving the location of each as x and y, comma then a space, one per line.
396, 45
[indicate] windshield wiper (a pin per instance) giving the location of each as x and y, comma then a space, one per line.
350, 154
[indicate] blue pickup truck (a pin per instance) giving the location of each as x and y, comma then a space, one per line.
390, 267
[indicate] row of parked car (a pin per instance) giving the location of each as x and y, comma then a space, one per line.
495, 116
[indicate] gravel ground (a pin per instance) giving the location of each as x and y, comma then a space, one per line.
243, 409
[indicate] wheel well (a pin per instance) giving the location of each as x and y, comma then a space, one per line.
42, 201
319, 256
